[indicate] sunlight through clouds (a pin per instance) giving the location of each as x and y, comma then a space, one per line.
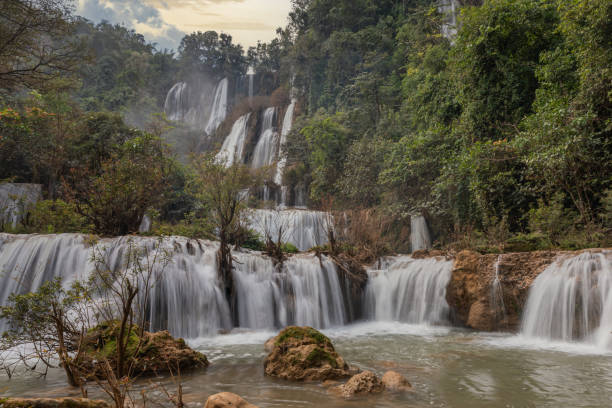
165, 22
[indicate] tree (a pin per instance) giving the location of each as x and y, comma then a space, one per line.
222, 190
129, 183
35, 43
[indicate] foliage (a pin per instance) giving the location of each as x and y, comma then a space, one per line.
54, 217
37, 43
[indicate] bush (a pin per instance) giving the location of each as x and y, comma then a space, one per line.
289, 248
54, 217
552, 220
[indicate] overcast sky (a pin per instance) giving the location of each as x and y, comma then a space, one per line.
167, 21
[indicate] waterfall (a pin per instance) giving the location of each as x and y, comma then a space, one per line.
304, 229
571, 300
176, 104
409, 290
419, 233
251, 75
267, 147
233, 147
497, 294
187, 298
450, 10
219, 109
287, 125
306, 293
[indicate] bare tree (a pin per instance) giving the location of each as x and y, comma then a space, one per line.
36, 42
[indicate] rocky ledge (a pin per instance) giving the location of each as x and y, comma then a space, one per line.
304, 354
470, 290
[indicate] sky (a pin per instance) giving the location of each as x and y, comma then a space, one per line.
165, 22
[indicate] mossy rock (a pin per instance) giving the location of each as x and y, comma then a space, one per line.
304, 354
302, 334
151, 354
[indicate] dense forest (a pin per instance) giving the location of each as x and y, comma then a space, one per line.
499, 134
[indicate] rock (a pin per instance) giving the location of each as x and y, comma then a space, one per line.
304, 354
394, 381
159, 352
269, 345
227, 400
52, 403
363, 383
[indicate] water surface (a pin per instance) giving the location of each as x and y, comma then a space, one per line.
447, 368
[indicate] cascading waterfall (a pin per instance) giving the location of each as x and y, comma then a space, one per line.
266, 149
176, 104
307, 292
450, 10
497, 293
233, 147
187, 299
571, 300
219, 109
287, 125
302, 228
251, 75
409, 290
419, 233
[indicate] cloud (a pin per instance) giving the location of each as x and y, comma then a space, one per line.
135, 14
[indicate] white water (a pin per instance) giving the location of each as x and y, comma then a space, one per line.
176, 104
419, 233
307, 292
409, 290
219, 108
287, 125
266, 150
497, 293
302, 228
233, 146
450, 10
188, 299
572, 301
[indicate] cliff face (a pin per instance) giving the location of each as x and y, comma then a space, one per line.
471, 294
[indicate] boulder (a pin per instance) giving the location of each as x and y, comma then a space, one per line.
363, 383
227, 400
158, 353
394, 381
52, 403
304, 354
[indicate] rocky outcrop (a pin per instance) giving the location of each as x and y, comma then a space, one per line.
52, 403
470, 292
227, 400
304, 354
363, 383
153, 354
395, 382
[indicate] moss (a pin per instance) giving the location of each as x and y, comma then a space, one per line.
318, 356
302, 333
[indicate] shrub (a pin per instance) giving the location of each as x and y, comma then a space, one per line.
53, 217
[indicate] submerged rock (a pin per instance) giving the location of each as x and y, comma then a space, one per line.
52, 403
363, 383
304, 354
394, 381
227, 400
153, 354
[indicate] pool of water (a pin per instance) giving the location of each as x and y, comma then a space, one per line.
447, 368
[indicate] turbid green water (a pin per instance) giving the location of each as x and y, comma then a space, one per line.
447, 367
